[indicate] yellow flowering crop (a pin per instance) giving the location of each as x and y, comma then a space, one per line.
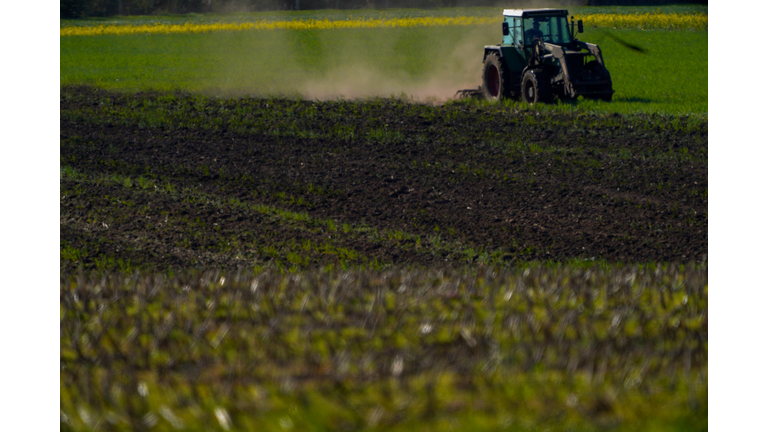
308, 24
648, 21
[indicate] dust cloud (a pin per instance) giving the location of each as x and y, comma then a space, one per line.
429, 67
456, 68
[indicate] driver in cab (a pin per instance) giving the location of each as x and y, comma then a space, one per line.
533, 33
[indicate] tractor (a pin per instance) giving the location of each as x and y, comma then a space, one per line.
539, 60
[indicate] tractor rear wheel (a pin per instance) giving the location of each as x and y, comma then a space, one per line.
535, 87
496, 84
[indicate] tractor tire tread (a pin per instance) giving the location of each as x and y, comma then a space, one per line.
542, 89
505, 88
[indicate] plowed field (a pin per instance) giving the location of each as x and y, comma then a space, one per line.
173, 180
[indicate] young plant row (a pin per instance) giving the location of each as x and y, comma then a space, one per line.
462, 177
114, 222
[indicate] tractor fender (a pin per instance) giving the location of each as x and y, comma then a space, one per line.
525, 69
492, 49
553, 50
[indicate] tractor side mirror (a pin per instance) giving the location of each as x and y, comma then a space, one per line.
505, 28
581, 26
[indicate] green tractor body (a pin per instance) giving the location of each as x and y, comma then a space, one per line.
540, 59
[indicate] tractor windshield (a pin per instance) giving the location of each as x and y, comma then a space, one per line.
552, 29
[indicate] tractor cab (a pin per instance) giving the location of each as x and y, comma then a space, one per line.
521, 27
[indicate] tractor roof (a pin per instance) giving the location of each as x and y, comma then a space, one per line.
534, 12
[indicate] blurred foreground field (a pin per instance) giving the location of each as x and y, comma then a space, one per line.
558, 347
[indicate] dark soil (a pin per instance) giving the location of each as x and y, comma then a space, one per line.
488, 180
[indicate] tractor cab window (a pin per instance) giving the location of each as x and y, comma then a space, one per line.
515, 36
549, 29
517, 31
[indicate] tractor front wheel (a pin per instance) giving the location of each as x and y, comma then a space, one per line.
607, 96
599, 72
535, 87
495, 83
